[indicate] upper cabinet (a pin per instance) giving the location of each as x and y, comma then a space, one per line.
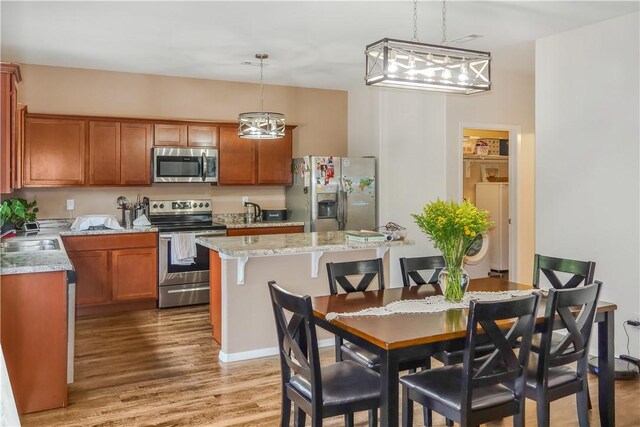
9, 120
254, 161
54, 152
185, 135
136, 140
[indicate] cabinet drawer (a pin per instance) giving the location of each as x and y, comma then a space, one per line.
106, 242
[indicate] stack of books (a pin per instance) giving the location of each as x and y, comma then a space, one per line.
364, 236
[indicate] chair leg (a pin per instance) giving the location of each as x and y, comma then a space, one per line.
300, 417
586, 384
449, 423
427, 415
407, 409
543, 413
285, 416
373, 417
348, 420
338, 344
582, 401
518, 419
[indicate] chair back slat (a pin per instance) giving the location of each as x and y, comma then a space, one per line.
297, 340
503, 365
410, 268
339, 273
582, 271
574, 346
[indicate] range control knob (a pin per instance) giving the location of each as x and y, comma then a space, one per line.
206, 205
161, 205
155, 206
201, 205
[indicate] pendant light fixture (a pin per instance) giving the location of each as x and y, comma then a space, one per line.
263, 124
415, 65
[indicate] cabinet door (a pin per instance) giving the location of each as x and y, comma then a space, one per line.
136, 140
170, 135
104, 153
237, 162
17, 149
54, 152
203, 136
274, 160
134, 273
6, 121
93, 285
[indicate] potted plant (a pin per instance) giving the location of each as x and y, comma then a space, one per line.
452, 228
15, 212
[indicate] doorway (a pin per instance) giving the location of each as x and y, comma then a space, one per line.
488, 181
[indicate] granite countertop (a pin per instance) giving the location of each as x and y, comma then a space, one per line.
236, 220
286, 244
51, 260
36, 261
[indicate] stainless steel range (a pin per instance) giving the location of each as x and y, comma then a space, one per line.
181, 285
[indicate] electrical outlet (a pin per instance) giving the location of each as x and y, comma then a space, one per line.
245, 199
71, 204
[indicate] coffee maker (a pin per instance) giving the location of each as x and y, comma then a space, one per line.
252, 213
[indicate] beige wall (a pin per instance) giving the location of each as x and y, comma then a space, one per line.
320, 116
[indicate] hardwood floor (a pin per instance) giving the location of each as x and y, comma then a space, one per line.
160, 367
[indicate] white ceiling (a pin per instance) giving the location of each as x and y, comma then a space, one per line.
311, 43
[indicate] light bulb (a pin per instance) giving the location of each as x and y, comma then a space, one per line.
393, 67
392, 61
429, 72
446, 74
412, 61
464, 75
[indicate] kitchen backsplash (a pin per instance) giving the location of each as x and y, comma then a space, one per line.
52, 201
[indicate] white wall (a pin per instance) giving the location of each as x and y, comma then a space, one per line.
405, 130
587, 165
415, 137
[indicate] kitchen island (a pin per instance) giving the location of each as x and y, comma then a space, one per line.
240, 267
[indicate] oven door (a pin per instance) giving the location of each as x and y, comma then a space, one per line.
181, 285
185, 165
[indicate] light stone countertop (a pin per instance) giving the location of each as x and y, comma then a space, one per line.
263, 224
287, 244
51, 260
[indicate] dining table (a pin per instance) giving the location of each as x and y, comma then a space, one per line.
401, 337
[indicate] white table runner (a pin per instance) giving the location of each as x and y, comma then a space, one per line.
431, 304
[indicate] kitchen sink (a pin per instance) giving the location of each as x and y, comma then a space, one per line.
30, 245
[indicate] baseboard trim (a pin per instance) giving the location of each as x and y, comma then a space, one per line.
262, 352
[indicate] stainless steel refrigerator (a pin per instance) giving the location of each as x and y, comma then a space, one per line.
333, 193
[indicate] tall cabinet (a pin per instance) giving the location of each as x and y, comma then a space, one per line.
9, 120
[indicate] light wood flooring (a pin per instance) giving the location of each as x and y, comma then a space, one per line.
160, 367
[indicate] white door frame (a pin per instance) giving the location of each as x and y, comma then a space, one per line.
515, 139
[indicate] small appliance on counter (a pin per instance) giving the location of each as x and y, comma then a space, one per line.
274, 215
252, 213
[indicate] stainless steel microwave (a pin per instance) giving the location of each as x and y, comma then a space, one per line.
173, 164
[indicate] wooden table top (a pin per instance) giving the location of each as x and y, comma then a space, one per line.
405, 330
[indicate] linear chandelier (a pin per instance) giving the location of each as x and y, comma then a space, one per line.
415, 65
262, 124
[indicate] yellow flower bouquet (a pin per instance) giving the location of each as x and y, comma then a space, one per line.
452, 228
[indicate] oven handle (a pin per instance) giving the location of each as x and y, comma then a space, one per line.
180, 291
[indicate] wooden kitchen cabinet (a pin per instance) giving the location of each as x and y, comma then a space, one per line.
9, 118
33, 334
250, 161
17, 152
274, 160
54, 152
202, 136
237, 158
252, 231
115, 272
104, 153
170, 135
136, 140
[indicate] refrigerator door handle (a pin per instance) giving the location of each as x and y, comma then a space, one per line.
340, 207
344, 208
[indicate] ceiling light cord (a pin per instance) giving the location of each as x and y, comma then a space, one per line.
444, 22
261, 88
415, 21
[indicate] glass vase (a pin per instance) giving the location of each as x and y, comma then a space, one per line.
454, 281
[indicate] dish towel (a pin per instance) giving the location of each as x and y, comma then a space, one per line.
183, 248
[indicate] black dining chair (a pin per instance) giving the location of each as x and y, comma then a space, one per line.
579, 271
337, 389
338, 274
411, 268
550, 377
482, 388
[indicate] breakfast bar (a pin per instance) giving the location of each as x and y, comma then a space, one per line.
240, 267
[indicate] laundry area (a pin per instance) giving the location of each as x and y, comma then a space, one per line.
486, 185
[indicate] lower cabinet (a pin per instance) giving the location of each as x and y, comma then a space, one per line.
115, 272
33, 334
264, 230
